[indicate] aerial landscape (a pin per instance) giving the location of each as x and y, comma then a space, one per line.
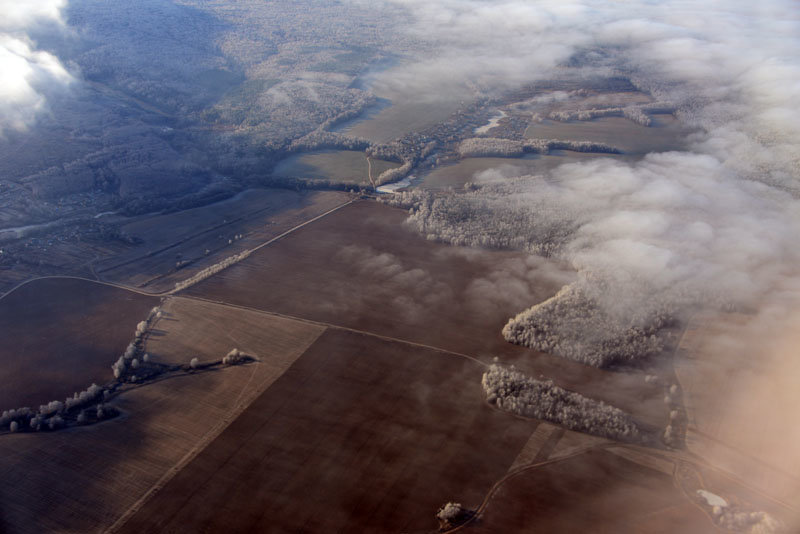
490, 266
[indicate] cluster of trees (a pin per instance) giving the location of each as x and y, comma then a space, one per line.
640, 114
452, 514
235, 356
484, 216
12, 418
579, 322
392, 175
211, 270
87, 396
320, 139
632, 113
514, 392
56, 414
407, 152
476, 147
573, 325
130, 358
394, 151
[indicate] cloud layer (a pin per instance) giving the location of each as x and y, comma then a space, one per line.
29, 74
718, 223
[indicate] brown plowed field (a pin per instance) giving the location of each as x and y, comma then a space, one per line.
256, 214
595, 492
60, 335
362, 268
359, 435
84, 479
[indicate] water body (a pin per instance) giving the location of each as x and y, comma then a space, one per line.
494, 121
394, 187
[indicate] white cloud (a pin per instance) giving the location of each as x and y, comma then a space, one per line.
28, 73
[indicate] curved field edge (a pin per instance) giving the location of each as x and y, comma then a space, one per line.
105, 469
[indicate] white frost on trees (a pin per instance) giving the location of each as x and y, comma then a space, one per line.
573, 325
632, 113
90, 394
119, 367
450, 511
51, 408
212, 270
514, 392
477, 147
233, 357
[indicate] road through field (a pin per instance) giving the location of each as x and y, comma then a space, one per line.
172, 291
343, 328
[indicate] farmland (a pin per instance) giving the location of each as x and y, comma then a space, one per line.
593, 492
176, 245
361, 268
60, 335
359, 434
104, 469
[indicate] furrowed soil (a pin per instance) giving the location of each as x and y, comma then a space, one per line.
596, 492
177, 245
60, 335
360, 434
84, 479
362, 268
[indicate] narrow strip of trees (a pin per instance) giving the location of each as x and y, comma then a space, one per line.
512, 391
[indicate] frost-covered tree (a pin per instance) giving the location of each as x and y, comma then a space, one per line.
572, 324
212, 270
233, 357
55, 422
514, 392
89, 395
52, 407
450, 511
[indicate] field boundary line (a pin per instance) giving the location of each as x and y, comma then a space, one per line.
173, 291
70, 277
240, 405
289, 231
338, 327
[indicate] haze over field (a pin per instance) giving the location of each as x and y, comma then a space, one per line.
163, 146
716, 225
